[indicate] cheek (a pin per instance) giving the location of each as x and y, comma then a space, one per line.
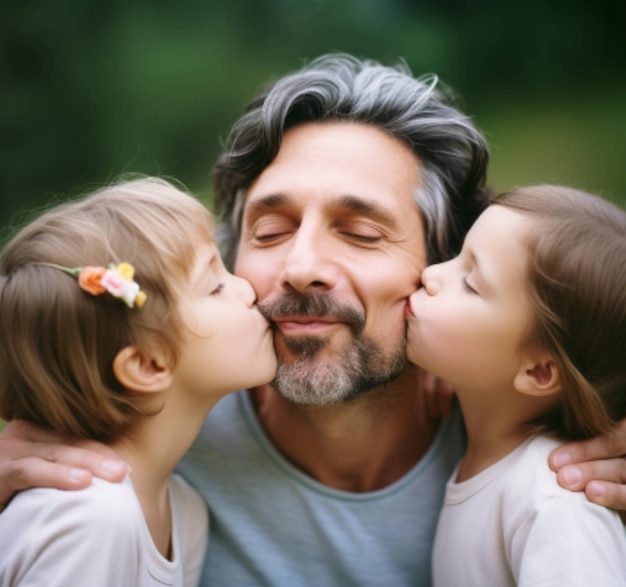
389, 286
225, 342
435, 337
384, 310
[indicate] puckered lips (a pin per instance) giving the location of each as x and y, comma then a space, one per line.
408, 310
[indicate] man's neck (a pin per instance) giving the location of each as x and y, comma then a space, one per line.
361, 446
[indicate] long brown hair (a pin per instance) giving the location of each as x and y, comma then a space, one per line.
577, 278
59, 342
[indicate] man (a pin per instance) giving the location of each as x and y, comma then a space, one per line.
336, 187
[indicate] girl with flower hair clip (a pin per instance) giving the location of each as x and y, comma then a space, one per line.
528, 324
120, 324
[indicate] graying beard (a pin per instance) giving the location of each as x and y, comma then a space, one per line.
352, 374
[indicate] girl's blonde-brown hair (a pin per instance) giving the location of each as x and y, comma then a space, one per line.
59, 342
577, 278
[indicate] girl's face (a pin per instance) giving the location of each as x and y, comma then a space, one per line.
468, 320
229, 345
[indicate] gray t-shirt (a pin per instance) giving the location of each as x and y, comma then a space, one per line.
272, 525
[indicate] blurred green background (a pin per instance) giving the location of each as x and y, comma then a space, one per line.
94, 88
91, 89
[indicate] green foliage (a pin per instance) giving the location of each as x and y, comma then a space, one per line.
96, 88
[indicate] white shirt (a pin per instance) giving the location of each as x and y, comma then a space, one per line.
98, 537
512, 524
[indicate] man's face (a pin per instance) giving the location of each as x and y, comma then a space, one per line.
333, 244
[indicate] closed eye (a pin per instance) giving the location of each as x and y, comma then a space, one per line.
271, 228
363, 238
467, 287
269, 233
218, 289
361, 232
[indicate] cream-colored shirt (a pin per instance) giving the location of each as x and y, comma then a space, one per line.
512, 524
98, 537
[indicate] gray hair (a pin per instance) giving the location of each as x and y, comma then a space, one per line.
420, 111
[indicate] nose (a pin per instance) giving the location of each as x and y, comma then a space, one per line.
308, 265
243, 289
432, 278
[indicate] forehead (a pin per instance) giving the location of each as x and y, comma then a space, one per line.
499, 240
318, 162
509, 227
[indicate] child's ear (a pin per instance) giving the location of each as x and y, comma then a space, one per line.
141, 373
538, 375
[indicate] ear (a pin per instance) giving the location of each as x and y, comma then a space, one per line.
538, 376
141, 373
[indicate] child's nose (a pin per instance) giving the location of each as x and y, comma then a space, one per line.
431, 279
244, 290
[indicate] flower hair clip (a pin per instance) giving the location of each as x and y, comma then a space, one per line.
114, 279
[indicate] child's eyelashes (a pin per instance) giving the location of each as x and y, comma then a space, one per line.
219, 288
467, 287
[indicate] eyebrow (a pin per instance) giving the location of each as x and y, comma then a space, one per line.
263, 202
348, 202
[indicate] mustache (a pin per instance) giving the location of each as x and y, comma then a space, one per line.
293, 304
